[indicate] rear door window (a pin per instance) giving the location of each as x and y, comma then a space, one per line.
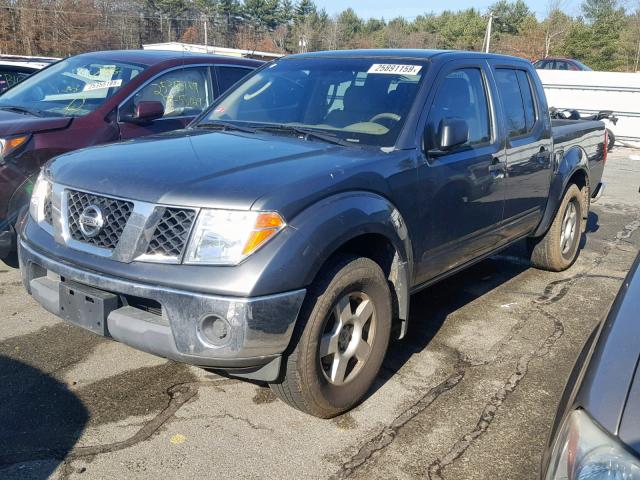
228, 76
514, 114
528, 101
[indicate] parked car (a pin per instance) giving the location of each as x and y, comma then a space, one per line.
14, 69
280, 236
561, 64
95, 98
596, 433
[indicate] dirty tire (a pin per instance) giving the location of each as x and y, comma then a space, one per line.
310, 381
552, 251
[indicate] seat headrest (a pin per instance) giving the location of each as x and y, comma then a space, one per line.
455, 94
355, 98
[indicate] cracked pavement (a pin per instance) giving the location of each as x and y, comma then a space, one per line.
470, 394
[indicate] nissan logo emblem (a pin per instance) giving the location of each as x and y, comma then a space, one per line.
91, 221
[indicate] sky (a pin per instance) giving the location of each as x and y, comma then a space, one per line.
411, 8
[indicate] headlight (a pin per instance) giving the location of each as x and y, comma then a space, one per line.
41, 189
8, 145
583, 451
226, 237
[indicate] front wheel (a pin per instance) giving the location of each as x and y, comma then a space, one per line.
558, 248
342, 336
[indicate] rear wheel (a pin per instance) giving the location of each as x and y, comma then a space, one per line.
341, 339
558, 248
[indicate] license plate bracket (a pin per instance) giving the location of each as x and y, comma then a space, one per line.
86, 307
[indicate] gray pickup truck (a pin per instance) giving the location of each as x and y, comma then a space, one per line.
280, 236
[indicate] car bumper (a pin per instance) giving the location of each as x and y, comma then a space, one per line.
256, 330
7, 238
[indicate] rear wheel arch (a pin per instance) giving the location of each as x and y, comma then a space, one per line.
572, 169
580, 178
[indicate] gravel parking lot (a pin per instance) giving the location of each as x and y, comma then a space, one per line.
469, 395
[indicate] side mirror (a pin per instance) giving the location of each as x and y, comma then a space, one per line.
146, 112
452, 133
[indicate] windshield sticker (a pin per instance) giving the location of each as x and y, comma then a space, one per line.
394, 68
100, 85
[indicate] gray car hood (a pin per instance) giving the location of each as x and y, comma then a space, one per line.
204, 169
610, 390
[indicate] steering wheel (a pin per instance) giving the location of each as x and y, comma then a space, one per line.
385, 116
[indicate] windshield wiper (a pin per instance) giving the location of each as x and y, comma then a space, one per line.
306, 133
218, 125
13, 108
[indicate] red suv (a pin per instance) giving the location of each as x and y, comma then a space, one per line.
561, 64
96, 98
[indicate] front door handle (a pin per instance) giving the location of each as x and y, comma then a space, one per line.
543, 156
498, 169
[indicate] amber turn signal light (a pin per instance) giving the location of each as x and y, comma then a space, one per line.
267, 224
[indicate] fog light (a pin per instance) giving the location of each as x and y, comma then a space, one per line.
215, 330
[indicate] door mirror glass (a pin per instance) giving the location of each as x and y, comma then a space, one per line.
148, 111
145, 112
453, 133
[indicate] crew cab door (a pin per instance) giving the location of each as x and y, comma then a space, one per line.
528, 148
183, 92
463, 185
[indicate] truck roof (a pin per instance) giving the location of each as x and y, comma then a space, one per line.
413, 54
154, 57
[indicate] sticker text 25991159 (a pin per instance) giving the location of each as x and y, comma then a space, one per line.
394, 69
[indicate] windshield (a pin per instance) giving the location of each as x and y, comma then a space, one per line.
71, 88
360, 101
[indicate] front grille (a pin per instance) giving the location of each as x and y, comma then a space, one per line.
170, 236
115, 212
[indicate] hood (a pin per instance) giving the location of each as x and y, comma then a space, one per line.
13, 123
630, 425
206, 169
629, 430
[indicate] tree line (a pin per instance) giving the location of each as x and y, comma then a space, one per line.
604, 35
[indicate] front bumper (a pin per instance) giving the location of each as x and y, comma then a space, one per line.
260, 328
7, 238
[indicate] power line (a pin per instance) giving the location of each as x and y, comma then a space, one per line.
140, 16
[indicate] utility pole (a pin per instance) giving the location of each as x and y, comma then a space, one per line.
487, 36
302, 44
206, 33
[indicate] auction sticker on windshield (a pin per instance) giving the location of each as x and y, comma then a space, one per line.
394, 68
100, 85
